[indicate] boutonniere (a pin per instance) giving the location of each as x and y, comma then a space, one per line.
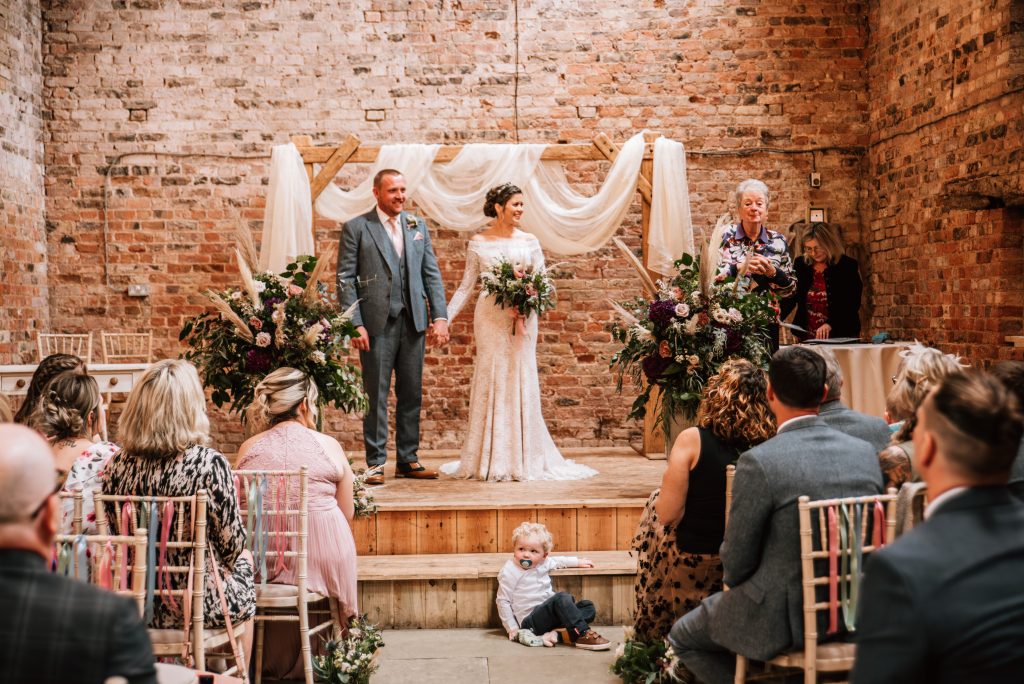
413, 223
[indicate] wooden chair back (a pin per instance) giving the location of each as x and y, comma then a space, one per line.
79, 345
76, 499
176, 545
730, 475
127, 347
114, 562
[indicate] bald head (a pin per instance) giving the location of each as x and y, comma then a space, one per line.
27, 472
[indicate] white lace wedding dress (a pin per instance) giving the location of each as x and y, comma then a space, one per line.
507, 438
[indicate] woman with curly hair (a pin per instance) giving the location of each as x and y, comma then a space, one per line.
684, 521
923, 369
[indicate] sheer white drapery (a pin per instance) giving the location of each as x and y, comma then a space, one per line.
452, 194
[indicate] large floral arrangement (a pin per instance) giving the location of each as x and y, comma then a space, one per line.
523, 290
350, 661
676, 338
274, 320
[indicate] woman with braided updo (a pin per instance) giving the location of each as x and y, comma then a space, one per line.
285, 409
68, 413
507, 438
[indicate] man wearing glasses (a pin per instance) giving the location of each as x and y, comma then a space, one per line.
53, 628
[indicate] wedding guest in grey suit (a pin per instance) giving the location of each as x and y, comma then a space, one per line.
762, 613
387, 262
836, 414
944, 604
1012, 375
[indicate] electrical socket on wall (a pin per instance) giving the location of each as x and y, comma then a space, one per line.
815, 180
138, 290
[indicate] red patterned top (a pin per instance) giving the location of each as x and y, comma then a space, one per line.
817, 303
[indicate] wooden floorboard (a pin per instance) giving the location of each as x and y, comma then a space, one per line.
624, 479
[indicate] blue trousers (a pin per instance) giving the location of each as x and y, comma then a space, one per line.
711, 663
562, 611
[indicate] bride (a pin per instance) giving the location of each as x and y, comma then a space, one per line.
507, 438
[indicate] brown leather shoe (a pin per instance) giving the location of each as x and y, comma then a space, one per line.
592, 641
375, 479
415, 471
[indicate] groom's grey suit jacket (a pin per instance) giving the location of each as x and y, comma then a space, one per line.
762, 613
368, 269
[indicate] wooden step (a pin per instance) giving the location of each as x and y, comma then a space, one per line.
437, 591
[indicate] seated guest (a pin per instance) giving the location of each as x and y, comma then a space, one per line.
944, 602
923, 368
163, 432
68, 414
54, 628
285, 408
49, 368
1012, 375
828, 286
684, 521
761, 615
838, 415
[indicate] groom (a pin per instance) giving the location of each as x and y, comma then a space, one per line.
386, 261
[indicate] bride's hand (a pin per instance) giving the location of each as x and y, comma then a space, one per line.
438, 332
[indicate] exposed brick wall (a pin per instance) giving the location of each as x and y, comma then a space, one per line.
23, 279
128, 76
946, 84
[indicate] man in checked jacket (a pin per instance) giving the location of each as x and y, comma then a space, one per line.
53, 628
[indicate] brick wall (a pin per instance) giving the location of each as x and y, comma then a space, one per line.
23, 280
125, 77
947, 111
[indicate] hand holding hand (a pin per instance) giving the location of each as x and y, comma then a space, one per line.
438, 332
362, 342
823, 332
586, 563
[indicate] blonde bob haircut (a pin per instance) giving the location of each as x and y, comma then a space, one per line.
923, 369
529, 530
278, 396
828, 239
166, 412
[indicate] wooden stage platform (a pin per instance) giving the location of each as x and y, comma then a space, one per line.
430, 556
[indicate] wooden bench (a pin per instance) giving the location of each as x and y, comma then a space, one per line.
435, 591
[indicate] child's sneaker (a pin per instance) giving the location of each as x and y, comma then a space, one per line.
592, 641
527, 638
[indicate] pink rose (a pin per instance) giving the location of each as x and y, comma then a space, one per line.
531, 290
256, 323
664, 351
263, 340
294, 290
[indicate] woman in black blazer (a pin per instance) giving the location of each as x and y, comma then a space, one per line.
829, 286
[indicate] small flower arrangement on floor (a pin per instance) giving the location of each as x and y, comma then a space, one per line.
274, 320
643, 662
678, 336
351, 660
522, 289
365, 504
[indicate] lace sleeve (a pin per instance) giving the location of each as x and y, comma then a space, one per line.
468, 284
536, 254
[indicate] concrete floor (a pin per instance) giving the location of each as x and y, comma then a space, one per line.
486, 656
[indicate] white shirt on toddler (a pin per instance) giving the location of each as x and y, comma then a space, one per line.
520, 591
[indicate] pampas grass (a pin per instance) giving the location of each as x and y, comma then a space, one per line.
628, 318
712, 254
310, 293
248, 282
645, 278
224, 309
247, 248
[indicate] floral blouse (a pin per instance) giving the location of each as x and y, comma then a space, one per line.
770, 244
85, 474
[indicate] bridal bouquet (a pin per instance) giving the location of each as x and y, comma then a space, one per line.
274, 320
678, 337
351, 660
522, 289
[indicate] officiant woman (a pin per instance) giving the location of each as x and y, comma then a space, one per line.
828, 286
756, 255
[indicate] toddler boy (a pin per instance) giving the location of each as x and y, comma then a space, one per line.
527, 604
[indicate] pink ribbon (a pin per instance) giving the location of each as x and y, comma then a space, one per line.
165, 536
879, 531
280, 543
106, 578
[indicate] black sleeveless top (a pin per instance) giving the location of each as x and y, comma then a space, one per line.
703, 524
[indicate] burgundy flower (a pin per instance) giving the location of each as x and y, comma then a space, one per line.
654, 365
257, 361
733, 341
662, 311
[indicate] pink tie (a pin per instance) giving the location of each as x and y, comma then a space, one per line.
396, 236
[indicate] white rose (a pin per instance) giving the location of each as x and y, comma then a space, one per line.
260, 286
236, 295
682, 310
735, 315
319, 356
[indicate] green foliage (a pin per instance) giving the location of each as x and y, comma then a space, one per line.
644, 662
286, 329
520, 288
683, 336
350, 661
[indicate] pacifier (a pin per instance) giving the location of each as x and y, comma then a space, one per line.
526, 563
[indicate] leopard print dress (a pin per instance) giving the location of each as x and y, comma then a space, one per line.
198, 468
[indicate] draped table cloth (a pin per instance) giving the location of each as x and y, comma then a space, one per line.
868, 370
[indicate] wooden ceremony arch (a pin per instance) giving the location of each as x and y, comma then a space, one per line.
602, 148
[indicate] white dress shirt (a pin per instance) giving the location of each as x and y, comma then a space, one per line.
520, 591
394, 231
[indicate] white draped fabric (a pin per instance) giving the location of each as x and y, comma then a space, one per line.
452, 194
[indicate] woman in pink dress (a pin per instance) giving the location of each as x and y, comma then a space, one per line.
285, 409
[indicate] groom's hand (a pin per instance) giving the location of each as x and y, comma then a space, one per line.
362, 343
439, 331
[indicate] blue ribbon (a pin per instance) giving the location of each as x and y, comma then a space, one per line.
153, 520
81, 558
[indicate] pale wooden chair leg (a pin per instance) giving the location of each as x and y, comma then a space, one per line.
307, 653
741, 670
260, 629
